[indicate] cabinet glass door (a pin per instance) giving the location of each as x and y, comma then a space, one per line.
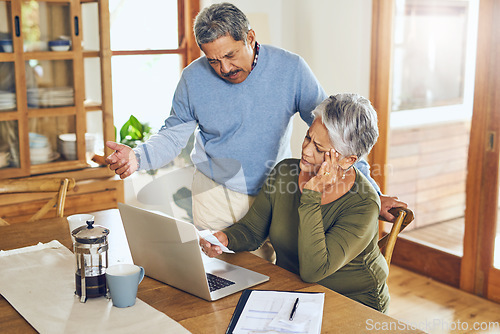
96, 100
52, 139
52, 61
50, 91
49, 83
90, 28
7, 74
52, 114
46, 26
10, 142
5, 27
7, 87
9, 145
9, 126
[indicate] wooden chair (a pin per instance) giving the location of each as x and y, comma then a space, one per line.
386, 244
58, 185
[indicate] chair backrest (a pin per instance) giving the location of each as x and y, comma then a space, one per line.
404, 217
59, 186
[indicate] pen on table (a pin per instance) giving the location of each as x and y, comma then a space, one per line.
294, 309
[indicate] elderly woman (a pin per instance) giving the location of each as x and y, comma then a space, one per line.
320, 212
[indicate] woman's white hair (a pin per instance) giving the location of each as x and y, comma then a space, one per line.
351, 122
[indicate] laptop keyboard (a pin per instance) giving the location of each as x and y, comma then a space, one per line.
216, 282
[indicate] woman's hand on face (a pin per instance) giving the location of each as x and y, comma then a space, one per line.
214, 250
327, 173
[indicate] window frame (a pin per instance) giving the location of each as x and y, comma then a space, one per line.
188, 49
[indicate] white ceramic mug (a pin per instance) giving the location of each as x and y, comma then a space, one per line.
123, 280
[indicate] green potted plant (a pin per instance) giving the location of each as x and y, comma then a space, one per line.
133, 132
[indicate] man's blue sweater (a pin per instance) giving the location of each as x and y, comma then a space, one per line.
242, 130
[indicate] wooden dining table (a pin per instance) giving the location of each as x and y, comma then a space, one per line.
340, 315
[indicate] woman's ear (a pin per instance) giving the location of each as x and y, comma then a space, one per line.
347, 162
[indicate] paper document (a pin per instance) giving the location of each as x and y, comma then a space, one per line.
271, 311
208, 236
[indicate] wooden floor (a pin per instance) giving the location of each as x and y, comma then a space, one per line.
438, 308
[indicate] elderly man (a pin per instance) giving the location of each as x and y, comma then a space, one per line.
240, 98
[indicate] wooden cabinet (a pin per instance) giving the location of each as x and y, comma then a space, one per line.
55, 98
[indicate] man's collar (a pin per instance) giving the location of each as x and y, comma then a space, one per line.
257, 48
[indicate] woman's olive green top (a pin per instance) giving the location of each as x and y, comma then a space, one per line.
334, 244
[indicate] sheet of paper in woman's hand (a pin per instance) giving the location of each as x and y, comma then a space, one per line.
208, 236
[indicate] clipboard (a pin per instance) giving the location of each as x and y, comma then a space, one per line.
237, 311
281, 302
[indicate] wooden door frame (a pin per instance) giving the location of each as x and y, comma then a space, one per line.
478, 275
380, 84
188, 9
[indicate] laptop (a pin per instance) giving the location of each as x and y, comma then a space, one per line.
169, 251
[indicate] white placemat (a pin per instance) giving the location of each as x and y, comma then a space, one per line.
39, 282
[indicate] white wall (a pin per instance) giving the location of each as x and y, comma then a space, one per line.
333, 36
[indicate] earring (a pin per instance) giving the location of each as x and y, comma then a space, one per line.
345, 171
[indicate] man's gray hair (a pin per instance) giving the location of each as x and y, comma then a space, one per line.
351, 122
219, 20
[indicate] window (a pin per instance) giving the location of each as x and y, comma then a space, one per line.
433, 61
151, 42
